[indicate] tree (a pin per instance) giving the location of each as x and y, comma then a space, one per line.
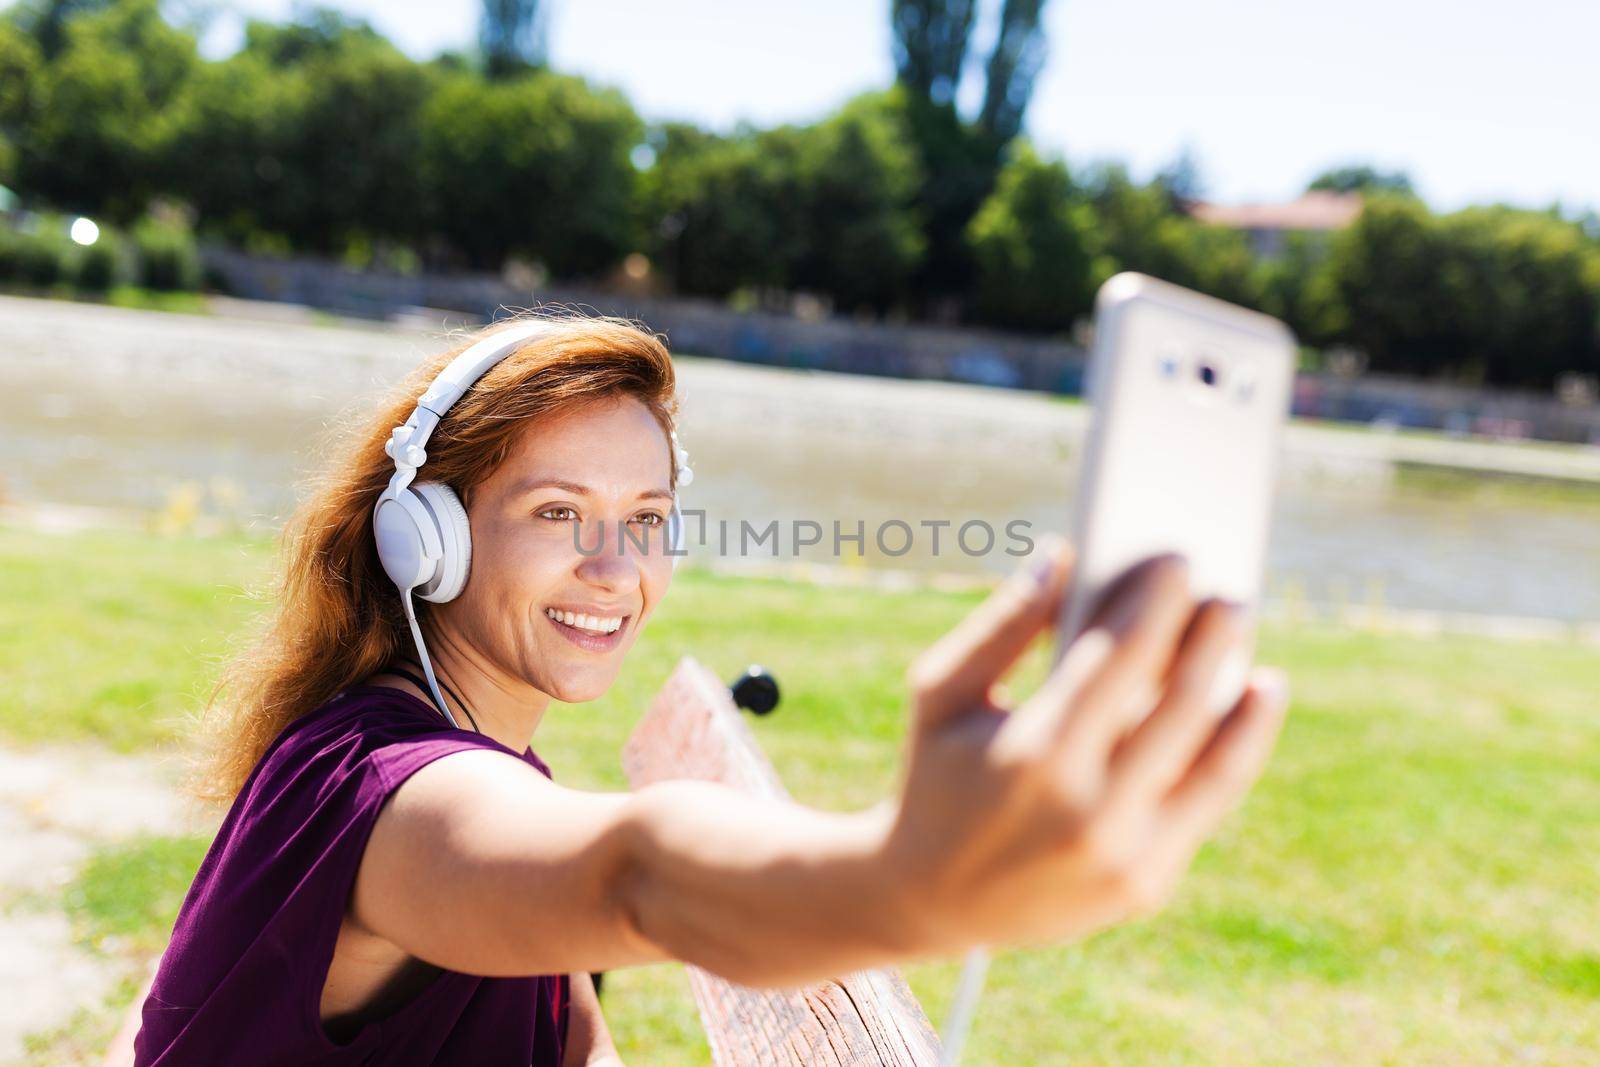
315, 33
311, 132
511, 34
1181, 180
1296, 286
1035, 245
824, 208
930, 45
858, 182
46, 21
1361, 178
724, 209
96, 128
536, 166
20, 61
1141, 232
959, 160
1491, 294
1013, 65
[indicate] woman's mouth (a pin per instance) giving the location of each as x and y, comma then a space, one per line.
595, 633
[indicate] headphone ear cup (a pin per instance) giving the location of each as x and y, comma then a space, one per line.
455, 538
408, 546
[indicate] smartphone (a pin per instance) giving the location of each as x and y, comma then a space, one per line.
1189, 397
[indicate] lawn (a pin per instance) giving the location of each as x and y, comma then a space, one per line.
1415, 880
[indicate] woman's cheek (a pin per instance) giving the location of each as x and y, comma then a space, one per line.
515, 559
657, 580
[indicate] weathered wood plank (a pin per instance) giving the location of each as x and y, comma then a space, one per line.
693, 730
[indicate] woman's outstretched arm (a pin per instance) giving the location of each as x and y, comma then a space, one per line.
1074, 811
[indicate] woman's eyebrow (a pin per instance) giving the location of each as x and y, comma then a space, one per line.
533, 484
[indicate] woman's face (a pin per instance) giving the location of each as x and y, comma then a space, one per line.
568, 549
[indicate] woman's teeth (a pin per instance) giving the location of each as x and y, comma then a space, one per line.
592, 623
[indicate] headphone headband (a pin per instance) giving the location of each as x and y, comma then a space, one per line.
407, 444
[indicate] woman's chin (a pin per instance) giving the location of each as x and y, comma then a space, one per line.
580, 686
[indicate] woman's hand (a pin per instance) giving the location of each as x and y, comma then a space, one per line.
1083, 806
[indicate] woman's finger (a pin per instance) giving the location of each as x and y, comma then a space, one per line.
955, 673
1084, 703
1227, 767
1165, 745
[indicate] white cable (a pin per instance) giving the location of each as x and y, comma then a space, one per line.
968, 988
427, 664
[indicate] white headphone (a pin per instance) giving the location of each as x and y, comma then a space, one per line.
424, 540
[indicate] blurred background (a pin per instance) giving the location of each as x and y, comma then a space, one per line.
871, 233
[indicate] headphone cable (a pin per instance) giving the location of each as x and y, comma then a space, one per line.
427, 668
462, 704
968, 989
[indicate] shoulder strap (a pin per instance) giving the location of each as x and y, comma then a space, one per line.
422, 684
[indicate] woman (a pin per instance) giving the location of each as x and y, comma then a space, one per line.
390, 888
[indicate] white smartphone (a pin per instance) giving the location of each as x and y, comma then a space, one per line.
1190, 395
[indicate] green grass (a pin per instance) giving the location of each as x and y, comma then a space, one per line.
125, 896
123, 296
112, 636
1482, 489
132, 296
1414, 881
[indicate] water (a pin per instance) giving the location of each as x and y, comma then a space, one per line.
119, 409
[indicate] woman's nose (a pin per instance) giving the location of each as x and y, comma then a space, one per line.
611, 559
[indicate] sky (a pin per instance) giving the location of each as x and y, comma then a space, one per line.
1479, 101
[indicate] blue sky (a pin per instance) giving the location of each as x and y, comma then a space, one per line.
1480, 101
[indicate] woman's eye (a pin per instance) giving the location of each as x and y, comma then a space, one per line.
560, 513
650, 518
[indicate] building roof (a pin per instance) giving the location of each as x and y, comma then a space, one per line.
1317, 210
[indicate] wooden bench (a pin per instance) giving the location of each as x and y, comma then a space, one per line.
693, 730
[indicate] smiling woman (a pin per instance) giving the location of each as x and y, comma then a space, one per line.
390, 886
569, 431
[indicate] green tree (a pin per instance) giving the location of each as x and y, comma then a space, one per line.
1035, 246
537, 166
46, 20
235, 152
724, 208
511, 35
858, 180
1141, 232
1012, 68
824, 208
314, 33
1361, 178
20, 61
930, 45
97, 126
959, 160
1181, 180
1490, 294
309, 135
1297, 287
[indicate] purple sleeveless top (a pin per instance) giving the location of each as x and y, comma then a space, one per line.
241, 982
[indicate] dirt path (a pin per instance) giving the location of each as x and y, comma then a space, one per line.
57, 804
